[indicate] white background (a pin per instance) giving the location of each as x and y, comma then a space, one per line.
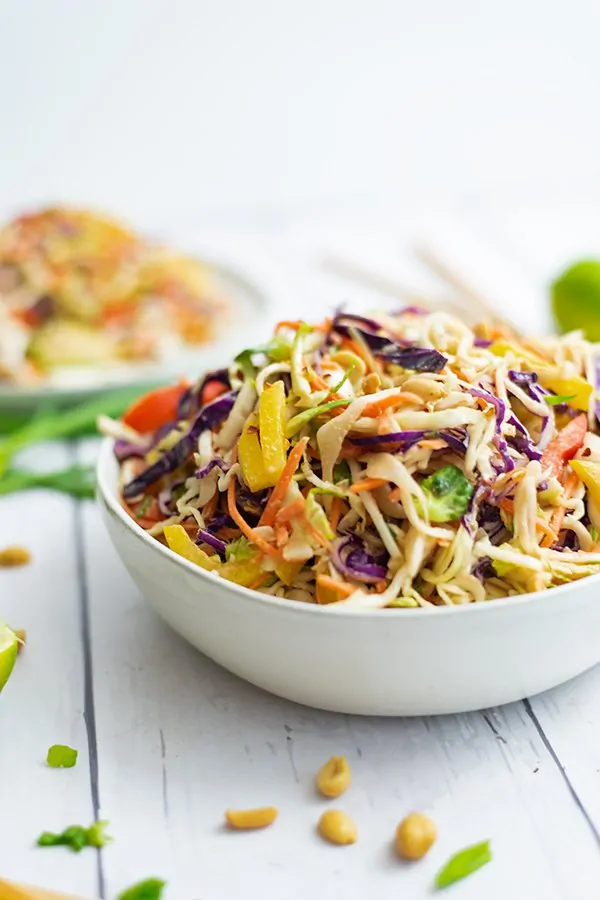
175, 110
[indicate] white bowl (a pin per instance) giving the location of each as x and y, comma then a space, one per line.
387, 662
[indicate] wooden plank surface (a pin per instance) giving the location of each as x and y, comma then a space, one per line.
177, 739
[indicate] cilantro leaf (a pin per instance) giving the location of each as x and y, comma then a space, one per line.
76, 837
61, 757
447, 493
464, 863
150, 889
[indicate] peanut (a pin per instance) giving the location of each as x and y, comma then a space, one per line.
337, 827
251, 818
14, 556
415, 835
333, 779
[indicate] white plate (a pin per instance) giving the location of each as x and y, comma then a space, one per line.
249, 305
385, 662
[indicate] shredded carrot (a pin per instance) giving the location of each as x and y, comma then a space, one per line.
374, 410
258, 582
296, 324
367, 484
321, 384
281, 535
244, 527
296, 508
279, 491
335, 513
339, 587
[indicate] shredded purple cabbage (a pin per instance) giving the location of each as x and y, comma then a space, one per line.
411, 311
205, 537
211, 464
417, 359
218, 522
353, 559
209, 417
483, 569
405, 438
191, 398
568, 541
127, 450
166, 501
482, 342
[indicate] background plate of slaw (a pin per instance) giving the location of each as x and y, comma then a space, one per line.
249, 304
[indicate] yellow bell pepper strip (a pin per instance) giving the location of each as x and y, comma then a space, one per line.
329, 590
181, 543
251, 458
502, 347
577, 388
288, 572
245, 572
588, 472
272, 435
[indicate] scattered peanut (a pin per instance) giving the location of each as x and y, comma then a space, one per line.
372, 383
251, 818
14, 556
22, 635
334, 777
415, 835
337, 827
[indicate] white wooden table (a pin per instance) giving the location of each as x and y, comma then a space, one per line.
168, 740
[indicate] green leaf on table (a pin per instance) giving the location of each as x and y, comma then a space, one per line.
464, 863
61, 757
150, 889
76, 837
76, 481
50, 423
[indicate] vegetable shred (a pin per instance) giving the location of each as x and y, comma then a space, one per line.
401, 460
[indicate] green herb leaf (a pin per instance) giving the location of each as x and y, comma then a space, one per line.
556, 399
77, 481
277, 350
341, 472
61, 757
297, 422
447, 492
464, 863
76, 837
150, 889
143, 507
239, 550
347, 375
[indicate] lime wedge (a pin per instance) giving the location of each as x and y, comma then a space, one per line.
576, 299
9, 645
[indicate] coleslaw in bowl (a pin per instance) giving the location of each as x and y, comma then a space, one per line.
399, 461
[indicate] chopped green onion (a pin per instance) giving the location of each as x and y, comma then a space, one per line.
464, 863
278, 350
297, 422
143, 507
150, 889
61, 757
341, 471
76, 837
347, 375
240, 550
556, 399
76, 481
447, 493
